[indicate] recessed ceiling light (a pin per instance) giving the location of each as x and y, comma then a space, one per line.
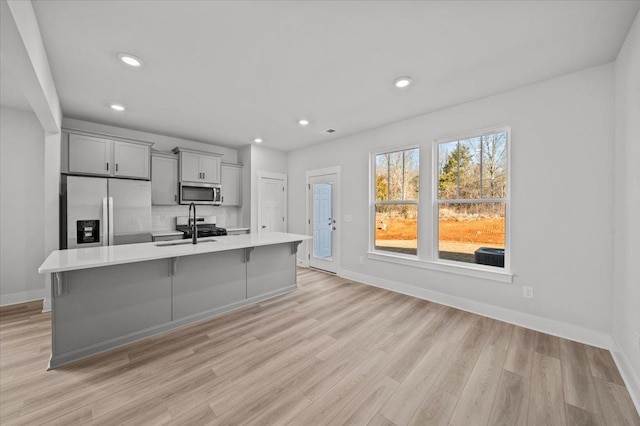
402, 82
303, 122
117, 107
131, 60
257, 140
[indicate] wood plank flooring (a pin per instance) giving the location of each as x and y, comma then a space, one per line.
333, 352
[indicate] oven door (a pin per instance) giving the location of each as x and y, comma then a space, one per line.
203, 193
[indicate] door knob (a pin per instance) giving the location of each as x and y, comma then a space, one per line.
264, 226
333, 228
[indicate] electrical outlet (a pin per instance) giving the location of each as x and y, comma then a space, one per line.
527, 292
362, 260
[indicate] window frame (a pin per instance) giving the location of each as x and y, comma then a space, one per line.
436, 201
373, 203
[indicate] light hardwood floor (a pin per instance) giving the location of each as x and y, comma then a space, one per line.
332, 352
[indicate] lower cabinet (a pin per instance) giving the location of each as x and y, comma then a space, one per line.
157, 238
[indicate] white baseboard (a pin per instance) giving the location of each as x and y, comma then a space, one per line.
46, 305
21, 297
631, 379
544, 325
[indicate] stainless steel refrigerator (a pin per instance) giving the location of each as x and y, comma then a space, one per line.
103, 212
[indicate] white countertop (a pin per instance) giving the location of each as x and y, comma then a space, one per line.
94, 257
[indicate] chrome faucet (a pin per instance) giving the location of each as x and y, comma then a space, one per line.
193, 225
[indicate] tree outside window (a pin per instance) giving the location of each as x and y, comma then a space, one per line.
472, 199
397, 177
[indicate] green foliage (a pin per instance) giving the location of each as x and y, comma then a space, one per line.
473, 168
457, 162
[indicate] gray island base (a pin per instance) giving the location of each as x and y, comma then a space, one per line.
99, 308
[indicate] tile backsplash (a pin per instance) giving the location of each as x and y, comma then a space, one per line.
164, 217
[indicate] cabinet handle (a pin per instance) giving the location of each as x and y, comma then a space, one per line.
116, 167
107, 166
203, 175
175, 197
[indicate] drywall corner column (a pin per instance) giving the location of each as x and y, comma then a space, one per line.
51, 204
626, 210
24, 54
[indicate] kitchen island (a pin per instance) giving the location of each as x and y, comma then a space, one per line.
105, 297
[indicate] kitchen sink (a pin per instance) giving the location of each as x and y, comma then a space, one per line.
181, 242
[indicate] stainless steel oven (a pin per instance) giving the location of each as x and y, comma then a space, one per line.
200, 193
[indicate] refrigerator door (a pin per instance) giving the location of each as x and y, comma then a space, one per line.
86, 219
129, 211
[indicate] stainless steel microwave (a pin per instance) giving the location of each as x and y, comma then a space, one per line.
200, 193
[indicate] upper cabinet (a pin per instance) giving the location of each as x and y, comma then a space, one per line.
90, 155
196, 166
131, 160
231, 184
93, 155
164, 179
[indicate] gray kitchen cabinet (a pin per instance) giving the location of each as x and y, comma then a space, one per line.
269, 267
160, 238
231, 231
164, 179
196, 166
119, 301
231, 184
98, 156
196, 289
90, 155
131, 160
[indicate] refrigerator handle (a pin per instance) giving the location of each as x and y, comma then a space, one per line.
105, 221
110, 221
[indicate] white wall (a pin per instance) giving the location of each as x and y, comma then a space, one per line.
626, 275
263, 159
562, 216
21, 206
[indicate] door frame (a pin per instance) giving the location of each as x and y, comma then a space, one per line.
279, 176
334, 170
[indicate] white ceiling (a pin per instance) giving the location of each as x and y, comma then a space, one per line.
225, 72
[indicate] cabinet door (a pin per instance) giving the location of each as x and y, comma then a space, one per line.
230, 181
210, 168
131, 160
164, 181
90, 155
190, 167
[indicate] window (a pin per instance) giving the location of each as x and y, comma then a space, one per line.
471, 199
396, 201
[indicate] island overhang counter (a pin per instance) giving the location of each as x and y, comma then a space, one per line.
106, 297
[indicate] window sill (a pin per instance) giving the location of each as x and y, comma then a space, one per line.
454, 268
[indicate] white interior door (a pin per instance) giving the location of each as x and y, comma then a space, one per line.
271, 201
323, 222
